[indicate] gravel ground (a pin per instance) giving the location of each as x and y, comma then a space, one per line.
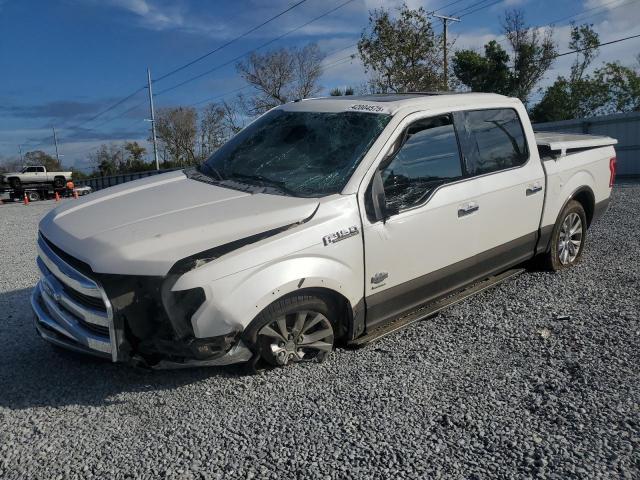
538, 377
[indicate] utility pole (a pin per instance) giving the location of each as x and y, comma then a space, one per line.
445, 21
153, 121
55, 140
20, 150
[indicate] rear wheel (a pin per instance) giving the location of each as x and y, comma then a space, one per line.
58, 182
568, 237
33, 196
294, 329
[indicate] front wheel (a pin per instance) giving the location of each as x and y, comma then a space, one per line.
294, 329
15, 183
568, 237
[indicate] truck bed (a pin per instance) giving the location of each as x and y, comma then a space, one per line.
562, 142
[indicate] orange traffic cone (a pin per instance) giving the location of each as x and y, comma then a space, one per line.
57, 197
75, 194
26, 199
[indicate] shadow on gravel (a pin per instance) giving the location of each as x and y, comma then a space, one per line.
35, 374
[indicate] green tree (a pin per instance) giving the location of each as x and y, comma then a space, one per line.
514, 73
401, 54
135, 158
623, 87
488, 73
579, 95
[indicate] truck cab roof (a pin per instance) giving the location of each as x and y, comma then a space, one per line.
393, 102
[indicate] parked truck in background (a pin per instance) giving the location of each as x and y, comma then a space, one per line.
324, 221
35, 174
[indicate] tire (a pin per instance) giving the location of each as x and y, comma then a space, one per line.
567, 239
33, 196
293, 329
15, 183
58, 182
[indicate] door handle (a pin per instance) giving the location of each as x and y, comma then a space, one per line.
531, 189
468, 209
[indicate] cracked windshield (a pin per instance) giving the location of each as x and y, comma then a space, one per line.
305, 154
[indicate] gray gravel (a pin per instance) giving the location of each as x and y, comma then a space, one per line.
538, 377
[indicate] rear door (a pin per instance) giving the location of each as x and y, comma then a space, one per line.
508, 179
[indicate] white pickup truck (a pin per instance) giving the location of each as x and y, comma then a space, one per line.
324, 221
36, 174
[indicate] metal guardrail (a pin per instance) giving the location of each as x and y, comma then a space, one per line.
98, 183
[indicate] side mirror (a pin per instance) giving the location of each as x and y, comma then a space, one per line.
379, 199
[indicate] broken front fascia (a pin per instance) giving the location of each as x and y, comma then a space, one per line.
153, 323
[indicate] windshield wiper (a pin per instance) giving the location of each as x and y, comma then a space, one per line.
211, 169
265, 182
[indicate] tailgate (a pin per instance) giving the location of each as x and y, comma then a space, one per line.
570, 141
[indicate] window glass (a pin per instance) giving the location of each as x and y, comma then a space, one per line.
428, 158
40, 169
32, 170
305, 154
491, 140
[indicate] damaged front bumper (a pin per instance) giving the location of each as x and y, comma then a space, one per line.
74, 311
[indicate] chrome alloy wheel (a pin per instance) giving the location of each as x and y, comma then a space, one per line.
303, 335
570, 239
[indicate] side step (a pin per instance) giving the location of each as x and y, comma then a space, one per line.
430, 309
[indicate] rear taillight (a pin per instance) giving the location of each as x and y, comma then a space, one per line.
612, 169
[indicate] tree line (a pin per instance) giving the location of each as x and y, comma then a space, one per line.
400, 53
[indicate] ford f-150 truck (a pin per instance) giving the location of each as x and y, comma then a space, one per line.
325, 220
36, 174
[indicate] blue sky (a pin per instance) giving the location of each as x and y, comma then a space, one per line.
64, 61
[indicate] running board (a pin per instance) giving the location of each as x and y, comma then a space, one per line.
432, 308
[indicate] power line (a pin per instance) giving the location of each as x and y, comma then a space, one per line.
504, 37
480, 8
450, 4
597, 46
233, 60
592, 8
226, 44
458, 12
182, 67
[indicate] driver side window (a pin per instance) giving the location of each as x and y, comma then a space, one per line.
429, 156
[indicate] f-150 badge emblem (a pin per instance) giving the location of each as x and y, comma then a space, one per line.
340, 235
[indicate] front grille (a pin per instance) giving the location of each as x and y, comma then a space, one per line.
71, 302
91, 302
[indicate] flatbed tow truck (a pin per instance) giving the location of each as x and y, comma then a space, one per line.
34, 192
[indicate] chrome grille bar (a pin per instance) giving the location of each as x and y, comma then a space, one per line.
76, 324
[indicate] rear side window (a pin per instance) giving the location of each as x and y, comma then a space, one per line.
491, 140
40, 169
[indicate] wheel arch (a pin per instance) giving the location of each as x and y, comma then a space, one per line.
234, 301
584, 196
336, 301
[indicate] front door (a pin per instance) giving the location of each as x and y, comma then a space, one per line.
419, 251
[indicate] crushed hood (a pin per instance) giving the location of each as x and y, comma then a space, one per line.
144, 227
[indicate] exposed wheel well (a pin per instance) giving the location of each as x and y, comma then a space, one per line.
587, 200
339, 304
336, 301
